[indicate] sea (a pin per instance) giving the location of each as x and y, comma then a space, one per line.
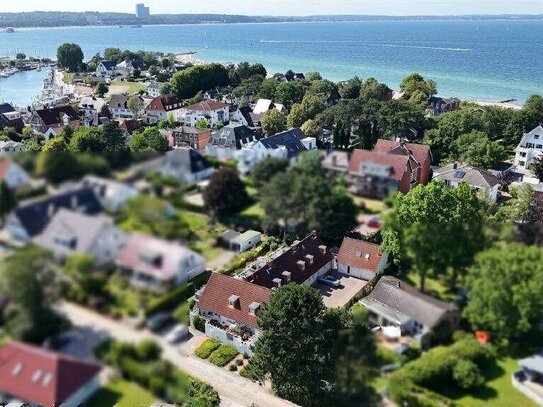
478, 60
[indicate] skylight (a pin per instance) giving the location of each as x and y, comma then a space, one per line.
459, 174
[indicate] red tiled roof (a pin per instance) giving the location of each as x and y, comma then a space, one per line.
165, 103
220, 288
40, 376
288, 261
397, 163
4, 167
419, 151
359, 254
207, 105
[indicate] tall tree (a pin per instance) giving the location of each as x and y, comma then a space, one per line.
70, 56
225, 193
273, 122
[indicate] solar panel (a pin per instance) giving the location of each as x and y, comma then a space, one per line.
459, 174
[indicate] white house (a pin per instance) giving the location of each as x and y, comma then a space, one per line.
263, 105
530, 148
111, 194
71, 232
186, 164
246, 241
211, 111
12, 174
90, 105
118, 106
162, 108
106, 68
153, 89
11, 147
361, 259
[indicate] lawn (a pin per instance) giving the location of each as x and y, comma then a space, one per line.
371, 206
127, 87
433, 287
250, 218
120, 393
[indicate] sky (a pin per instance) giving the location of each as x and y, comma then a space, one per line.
288, 7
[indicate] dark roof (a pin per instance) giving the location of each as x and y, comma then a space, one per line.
290, 139
165, 103
130, 125
232, 136
36, 215
54, 115
118, 101
186, 159
291, 261
6, 108
461, 172
220, 288
40, 376
246, 112
109, 65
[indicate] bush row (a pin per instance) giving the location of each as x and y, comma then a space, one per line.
207, 348
223, 355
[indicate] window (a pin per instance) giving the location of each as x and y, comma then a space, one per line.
539, 146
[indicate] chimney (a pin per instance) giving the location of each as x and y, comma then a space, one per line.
233, 302
301, 264
455, 166
334, 160
322, 249
287, 276
254, 308
309, 258
277, 282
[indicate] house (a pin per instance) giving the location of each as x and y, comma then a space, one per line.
530, 148
50, 122
187, 165
293, 76
41, 377
393, 302
288, 145
336, 163
158, 265
212, 94
186, 136
438, 105
482, 181
129, 66
106, 68
118, 106
129, 126
419, 152
211, 111
529, 380
225, 142
244, 115
13, 174
302, 263
9, 117
11, 147
239, 242
111, 194
71, 232
263, 105
153, 89
30, 218
163, 107
91, 106
361, 259
230, 307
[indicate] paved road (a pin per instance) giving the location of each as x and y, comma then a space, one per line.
233, 389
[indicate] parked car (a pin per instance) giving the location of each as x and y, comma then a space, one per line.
331, 281
158, 321
178, 333
375, 222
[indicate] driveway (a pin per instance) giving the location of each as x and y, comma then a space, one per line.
341, 296
233, 389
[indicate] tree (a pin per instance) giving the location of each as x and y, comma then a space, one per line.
289, 93
114, 137
467, 374
266, 170
201, 123
273, 122
372, 89
310, 107
70, 56
225, 193
505, 284
101, 89
313, 76
538, 168
436, 229
135, 104
476, 149
415, 82
312, 129
90, 140
187, 83
29, 316
7, 200
351, 88
166, 89
298, 332
522, 208
149, 139
20, 55
56, 144
105, 112
57, 166
267, 88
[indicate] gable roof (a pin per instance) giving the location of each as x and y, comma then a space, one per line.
246, 111
291, 260
396, 164
359, 254
117, 101
35, 215
55, 115
462, 172
289, 139
40, 376
187, 160
6, 108
232, 136
165, 103
218, 290
130, 125
207, 106
404, 302
419, 151
109, 65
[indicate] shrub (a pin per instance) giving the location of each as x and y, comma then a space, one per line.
157, 386
201, 394
207, 348
223, 355
232, 368
200, 324
171, 299
148, 350
239, 362
192, 303
467, 375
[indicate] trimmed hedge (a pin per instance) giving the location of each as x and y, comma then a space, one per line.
207, 348
223, 355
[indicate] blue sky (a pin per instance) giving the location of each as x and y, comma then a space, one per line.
290, 7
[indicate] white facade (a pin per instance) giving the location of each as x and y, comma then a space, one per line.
321, 272
91, 106
363, 273
153, 89
103, 70
155, 116
530, 148
15, 176
111, 194
212, 117
11, 147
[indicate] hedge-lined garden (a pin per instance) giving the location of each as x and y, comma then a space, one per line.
217, 353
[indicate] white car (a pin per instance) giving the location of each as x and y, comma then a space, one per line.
178, 333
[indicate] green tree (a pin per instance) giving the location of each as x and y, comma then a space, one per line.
149, 139
266, 170
289, 93
476, 149
57, 166
225, 193
415, 82
313, 76
189, 82
298, 332
201, 123
70, 56
114, 137
436, 229
101, 89
7, 200
505, 284
521, 208
273, 122
135, 104
310, 107
312, 129
268, 88
467, 374
371, 89
90, 140
351, 88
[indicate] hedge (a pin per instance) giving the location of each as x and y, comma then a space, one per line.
207, 348
172, 299
223, 355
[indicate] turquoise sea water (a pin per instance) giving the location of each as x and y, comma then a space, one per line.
482, 60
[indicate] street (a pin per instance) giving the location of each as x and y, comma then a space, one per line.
233, 389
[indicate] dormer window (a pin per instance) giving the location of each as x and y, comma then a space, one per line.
310, 258
37, 375
17, 369
323, 249
233, 301
287, 276
254, 308
277, 282
301, 265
